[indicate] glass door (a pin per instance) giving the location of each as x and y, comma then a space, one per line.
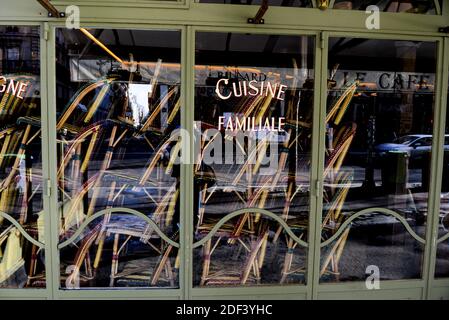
438, 287
254, 102
118, 109
442, 255
378, 146
22, 192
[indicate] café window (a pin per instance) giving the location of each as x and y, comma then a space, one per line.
118, 108
407, 6
22, 259
253, 118
379, 125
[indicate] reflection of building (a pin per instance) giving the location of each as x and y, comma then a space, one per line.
19, 49
138, 96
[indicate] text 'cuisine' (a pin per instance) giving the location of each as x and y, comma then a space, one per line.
249, 88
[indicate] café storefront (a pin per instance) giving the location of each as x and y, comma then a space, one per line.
224, 149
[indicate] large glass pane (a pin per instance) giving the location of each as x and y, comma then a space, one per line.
21, 262
409, 6
253, 122
378, 143
118, 109
442, 259
281, 3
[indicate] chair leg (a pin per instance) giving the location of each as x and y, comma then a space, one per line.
170, 274
252, 258
80, 257
336, 251
206, 262
101, 236
340, 252
287, 261
32, 263
114, 264
161, 266
88, 265
98, 254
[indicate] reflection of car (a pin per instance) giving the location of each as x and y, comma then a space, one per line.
416, 145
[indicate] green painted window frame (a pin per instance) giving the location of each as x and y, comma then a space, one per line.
191, 17
436, 3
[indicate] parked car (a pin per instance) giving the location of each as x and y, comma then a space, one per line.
416, 145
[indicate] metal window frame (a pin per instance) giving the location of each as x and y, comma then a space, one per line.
273, 291
102, 293
190, 17
38, 293
396, 289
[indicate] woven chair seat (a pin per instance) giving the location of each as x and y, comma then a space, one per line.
139, 272
129, 225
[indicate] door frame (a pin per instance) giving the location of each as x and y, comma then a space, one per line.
204, 17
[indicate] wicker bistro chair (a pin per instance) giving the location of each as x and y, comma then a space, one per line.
128, 226
331, 256
12, 259
17, 193
142, 271
332, 219
339, 181
330, 259
228, 273
253, 191
36, 277
148, 271
91, 131
287, 268
245, 237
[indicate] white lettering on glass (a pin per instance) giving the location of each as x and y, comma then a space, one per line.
249, 88
250, 124
16, 88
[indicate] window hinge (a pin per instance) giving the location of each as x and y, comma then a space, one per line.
48, 188
444, 29
322, 40
46, 31
52, 11
317, 188
258, 18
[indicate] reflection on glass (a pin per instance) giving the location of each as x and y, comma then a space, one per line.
21, 262
420, 7
118, 109
251, 258
378, 143
442, 259
253, 113
281, 3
